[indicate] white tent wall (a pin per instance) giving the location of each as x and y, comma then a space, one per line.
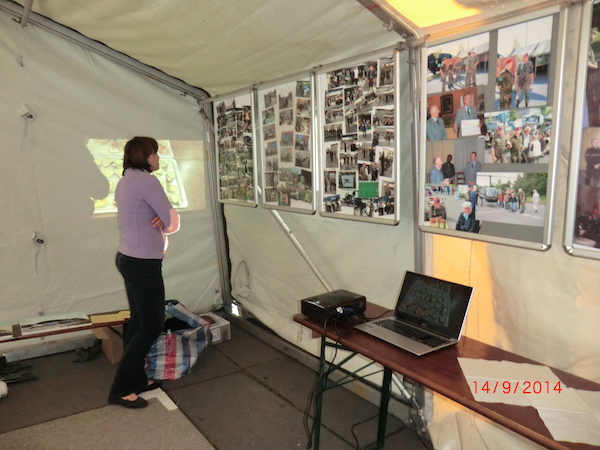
270, 277
49, 178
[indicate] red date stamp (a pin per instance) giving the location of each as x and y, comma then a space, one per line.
517, 387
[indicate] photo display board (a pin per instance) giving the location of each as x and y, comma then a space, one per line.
582, 224
286, 133
235, 150
489, 133
359, 140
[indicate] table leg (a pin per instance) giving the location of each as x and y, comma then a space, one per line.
319, 398
383, 406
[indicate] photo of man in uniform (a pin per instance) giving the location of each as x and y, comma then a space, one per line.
505, 82
525, 78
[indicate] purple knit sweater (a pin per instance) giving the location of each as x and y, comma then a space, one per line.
140, 198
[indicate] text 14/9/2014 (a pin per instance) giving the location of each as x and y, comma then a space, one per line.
517, 387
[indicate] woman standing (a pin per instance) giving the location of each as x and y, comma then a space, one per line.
145, 218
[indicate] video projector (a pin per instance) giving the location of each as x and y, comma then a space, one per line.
335, 303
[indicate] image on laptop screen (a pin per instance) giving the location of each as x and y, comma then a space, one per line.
434, 304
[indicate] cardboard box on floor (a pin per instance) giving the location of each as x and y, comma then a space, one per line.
112, 343
219, 327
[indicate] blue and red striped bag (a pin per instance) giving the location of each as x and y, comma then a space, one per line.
176, 350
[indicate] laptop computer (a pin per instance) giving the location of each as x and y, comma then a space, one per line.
430, 314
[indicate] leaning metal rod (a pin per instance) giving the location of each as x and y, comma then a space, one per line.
26, 11
298, 246
400, 385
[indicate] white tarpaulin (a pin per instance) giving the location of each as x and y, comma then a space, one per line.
56, 165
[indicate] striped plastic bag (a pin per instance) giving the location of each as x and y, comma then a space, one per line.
176, 350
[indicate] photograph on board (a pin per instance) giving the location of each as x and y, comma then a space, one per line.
359, 139
454, 114
523, 64
286, 142
518, 136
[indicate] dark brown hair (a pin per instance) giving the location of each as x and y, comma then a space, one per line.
137, 152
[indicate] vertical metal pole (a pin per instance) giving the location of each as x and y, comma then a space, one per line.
414, 71
218, 216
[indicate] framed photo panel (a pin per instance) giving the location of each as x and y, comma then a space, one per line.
286, 142
489, 133
582, 223
235, 150
359, 139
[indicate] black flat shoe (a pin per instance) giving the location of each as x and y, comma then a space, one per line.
155, 385
134, 404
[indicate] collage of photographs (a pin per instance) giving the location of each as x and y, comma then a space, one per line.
235, 149
587, 208
489, 132
286, 122
359, 140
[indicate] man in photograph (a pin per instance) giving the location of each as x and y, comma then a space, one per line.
473, 196
436, 176
471, 70
591, 226
443, 74
465, 112
435, 129
471, 169
505, 82
499, 144
466, 220
448, 169
516, 146
525, 78
592, 167
521, 197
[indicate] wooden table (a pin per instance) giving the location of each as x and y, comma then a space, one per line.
441, 372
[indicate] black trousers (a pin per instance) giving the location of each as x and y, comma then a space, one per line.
146, 295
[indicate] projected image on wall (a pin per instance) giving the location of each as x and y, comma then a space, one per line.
180, 172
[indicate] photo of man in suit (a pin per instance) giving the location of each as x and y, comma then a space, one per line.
465, 112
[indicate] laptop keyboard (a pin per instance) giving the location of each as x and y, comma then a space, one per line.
409, 332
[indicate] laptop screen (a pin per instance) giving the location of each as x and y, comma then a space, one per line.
438, 305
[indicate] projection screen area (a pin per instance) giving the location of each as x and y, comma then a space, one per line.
60, 168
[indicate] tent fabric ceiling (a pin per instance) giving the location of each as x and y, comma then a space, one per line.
226, 45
